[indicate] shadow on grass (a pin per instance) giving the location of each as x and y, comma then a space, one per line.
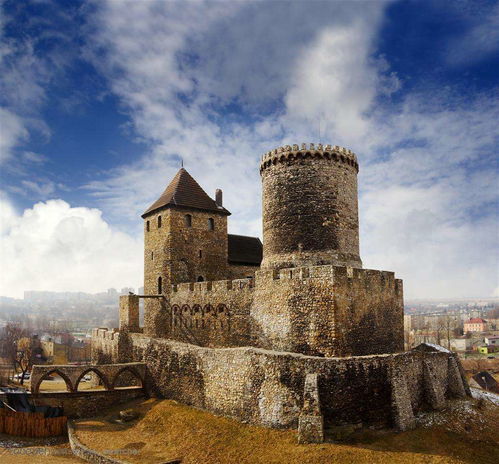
472, 438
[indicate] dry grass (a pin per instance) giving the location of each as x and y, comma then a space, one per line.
166, 430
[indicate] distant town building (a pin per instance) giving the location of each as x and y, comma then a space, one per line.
492, 340
475, 324
461, 344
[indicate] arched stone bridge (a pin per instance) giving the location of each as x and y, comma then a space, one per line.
72, 375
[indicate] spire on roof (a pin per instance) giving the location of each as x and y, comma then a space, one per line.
184, 191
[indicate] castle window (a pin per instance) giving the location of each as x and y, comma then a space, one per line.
152, 255
159, 222
200, 254
211, 224
188, 220
147, 226
160, 286
200, 279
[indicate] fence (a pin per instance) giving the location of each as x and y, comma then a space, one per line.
31, 424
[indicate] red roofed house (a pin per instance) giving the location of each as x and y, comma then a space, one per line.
475, 324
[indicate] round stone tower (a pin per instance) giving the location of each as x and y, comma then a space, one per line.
310, 212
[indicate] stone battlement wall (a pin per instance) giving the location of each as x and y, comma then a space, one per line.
289, 153
204, 313
316, 310
215, 286
328, 311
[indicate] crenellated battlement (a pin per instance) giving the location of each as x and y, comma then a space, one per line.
216, 285
326, 273
290, 153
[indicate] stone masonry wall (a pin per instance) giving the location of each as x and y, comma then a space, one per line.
212, 313
266, 387
241, 271
317, 310
179, 253
328, 311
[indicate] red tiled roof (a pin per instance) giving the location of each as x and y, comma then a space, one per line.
476, 320
184, 191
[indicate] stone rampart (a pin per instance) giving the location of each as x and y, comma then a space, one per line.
266, 387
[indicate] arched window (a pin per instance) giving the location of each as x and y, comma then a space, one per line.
188, 220
147, 226
200, 279
160, 285
211, 224
159, 222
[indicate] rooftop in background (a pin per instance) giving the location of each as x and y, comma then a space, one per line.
245, 250
184, 191
476, 320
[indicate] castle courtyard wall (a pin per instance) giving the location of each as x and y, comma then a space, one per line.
266, 387
212, 313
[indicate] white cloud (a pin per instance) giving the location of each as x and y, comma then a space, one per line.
12, 132
427, 187
56, 247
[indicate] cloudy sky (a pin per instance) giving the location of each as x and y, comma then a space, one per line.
101, 99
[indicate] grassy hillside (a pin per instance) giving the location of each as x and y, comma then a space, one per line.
466, 433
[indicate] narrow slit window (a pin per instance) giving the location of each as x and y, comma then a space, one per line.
159, 222
160, 285
147, 226
188, 220
211, 224
200, 253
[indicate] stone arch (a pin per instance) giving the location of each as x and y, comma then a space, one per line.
132, 371
223, 316
100, 374
67, 380
175, 315
186, 315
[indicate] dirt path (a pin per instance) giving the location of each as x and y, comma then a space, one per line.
15, 450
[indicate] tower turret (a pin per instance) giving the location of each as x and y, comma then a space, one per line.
310, 211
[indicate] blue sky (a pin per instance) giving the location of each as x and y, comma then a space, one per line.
101, 99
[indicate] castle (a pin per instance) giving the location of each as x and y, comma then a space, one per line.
292, 334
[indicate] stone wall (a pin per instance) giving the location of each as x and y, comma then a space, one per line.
317, 310
309, 206
328, 311
212, 313
88, 403
241, 271
266, 387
